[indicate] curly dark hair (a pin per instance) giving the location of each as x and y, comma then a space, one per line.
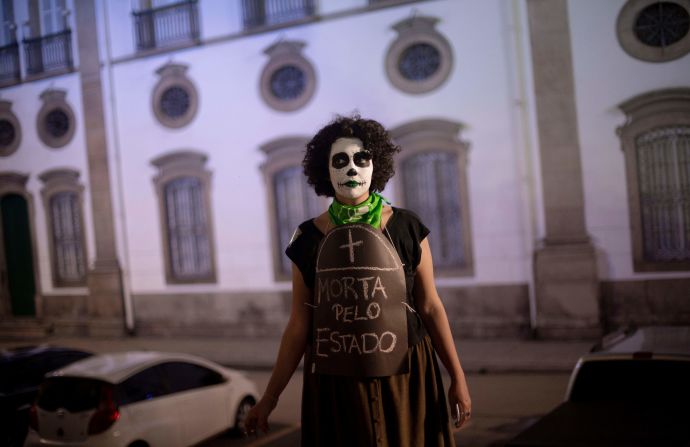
375, 140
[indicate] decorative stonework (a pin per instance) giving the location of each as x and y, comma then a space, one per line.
175, 100
288, 81
68, 263
421, 58
655, 31
10, 130
55, 122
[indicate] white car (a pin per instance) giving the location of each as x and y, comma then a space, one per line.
138, 399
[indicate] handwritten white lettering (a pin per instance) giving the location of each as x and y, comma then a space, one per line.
349, 287
347, 343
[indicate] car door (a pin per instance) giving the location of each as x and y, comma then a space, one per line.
201, 397
149, 409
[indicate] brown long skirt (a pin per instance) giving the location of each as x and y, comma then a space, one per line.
406, 410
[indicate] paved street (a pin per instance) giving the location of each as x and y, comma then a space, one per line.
511, 381
503, 404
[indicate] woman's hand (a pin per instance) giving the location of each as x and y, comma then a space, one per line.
257, 419
460, 402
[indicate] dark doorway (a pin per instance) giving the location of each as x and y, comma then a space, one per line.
19, 260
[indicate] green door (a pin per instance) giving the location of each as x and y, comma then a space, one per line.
19, 260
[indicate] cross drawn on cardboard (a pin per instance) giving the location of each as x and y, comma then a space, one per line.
351, 245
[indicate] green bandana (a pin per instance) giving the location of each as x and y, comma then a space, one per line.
368, 212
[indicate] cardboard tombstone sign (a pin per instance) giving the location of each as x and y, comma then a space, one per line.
360, 320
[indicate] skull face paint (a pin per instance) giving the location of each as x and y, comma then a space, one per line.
350, 168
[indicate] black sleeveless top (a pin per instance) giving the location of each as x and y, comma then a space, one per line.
406, 231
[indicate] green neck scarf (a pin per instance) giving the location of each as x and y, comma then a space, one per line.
368, 212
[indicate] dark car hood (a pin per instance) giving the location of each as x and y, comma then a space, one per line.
610, 424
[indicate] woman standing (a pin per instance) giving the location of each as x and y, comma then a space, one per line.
379, 385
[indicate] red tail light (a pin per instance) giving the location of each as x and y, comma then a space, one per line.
33, 417
106, 414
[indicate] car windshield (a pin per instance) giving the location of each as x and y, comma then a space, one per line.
71, 393
627, 379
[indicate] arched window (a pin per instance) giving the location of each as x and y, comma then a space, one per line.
62, 199
183, 190
656, 143
291, 199
432, 182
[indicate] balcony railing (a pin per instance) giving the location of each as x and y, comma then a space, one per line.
48, 53
270, 12
9, 63
168, 25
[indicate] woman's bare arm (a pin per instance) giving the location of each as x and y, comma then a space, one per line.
433, 314
290, 353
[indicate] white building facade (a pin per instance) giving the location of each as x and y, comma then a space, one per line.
150, 157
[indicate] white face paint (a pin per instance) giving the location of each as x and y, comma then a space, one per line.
350, 168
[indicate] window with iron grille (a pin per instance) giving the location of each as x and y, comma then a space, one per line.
295, 202
65, 217
62, 200
166, 24
656, 143
430, 188
9, 49
183, 189
663, 163
48, 46
272, 12
188, 241
432, 182
291, 199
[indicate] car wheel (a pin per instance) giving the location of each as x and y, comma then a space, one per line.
242, 412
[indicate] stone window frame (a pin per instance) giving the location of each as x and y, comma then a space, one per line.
645, 112
15, 183
434, 135
54, 99
171, 166
418, 30
8, 115
287, 52
58, 181
627, 39
280, 154
174, 75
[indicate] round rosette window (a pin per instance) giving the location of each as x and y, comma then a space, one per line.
175, 99
288, 80
55, 121
10, 130
420, 59
655, 31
